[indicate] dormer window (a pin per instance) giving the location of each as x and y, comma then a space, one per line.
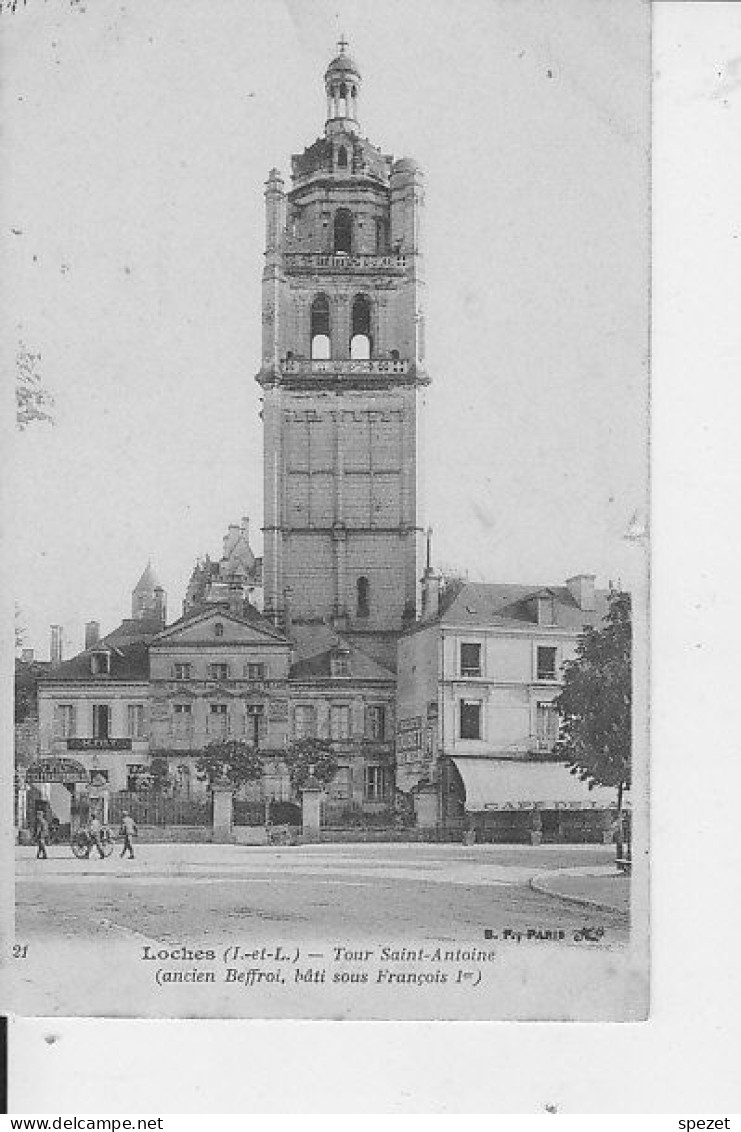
100, 664
545, 609
340, 663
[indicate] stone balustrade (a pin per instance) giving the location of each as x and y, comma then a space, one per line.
344, 367
320, 261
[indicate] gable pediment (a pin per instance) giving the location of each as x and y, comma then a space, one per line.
202, 632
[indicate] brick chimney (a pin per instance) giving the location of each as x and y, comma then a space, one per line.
55, 647
236, 600
92, 633
231, 539
430, 595
581, 588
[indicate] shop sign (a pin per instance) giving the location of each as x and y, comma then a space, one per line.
99, 744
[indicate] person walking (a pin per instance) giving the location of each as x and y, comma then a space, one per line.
128, 830
42, 836
95, 834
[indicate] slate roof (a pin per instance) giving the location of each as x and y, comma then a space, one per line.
485, 603
148, 580
248, 615
314, 647
129, 661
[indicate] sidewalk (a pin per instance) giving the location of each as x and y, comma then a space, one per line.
596, 887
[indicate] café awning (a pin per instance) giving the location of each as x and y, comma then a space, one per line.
514, 784
56, 770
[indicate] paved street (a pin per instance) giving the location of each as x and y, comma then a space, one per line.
95, 919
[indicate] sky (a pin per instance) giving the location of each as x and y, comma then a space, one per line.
137, 141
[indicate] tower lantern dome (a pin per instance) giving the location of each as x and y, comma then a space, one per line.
342, 85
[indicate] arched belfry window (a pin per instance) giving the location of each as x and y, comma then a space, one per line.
320, 340
360, 334
342, 157
363, 592
343, 230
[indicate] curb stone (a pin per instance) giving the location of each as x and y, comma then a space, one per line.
537, 885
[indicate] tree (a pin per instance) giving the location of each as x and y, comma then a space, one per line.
595, 703
305, 757
157, 778
230, 760
33, 401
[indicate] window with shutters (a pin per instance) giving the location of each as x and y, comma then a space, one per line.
376, 783
182, 671
182, 715
546, 662
255, 671
339, 721
375, 721
136, 721
470, 719
304, 721
255, 724
66, 715
546, 724
218, 671
470, 659
101, 721
218, 720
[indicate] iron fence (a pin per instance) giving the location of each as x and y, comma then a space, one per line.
159, 809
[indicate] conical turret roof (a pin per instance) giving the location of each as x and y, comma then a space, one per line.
148, 581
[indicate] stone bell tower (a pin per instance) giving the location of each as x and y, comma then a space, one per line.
343, 378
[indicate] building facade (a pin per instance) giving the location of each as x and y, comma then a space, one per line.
343, 381
94, 720
476, 719
219, 672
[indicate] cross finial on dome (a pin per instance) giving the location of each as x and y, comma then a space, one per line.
342, 43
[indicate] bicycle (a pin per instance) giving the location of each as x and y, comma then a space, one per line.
82, 843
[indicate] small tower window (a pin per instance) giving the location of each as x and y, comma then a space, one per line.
343, 230
363, 589
382, 236
360, 337
342, 157
320, 341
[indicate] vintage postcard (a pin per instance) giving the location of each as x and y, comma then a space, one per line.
330, 330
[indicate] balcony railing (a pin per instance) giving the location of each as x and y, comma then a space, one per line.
319, 261
344, 367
